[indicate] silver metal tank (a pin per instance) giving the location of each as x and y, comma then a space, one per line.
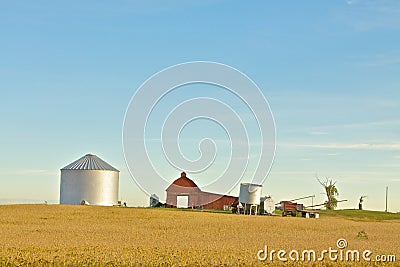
250, 193
267, 205
90, 180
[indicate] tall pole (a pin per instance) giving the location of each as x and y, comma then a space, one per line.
387, 189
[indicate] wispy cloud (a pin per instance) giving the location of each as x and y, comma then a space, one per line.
327, 129
357, 125
358, 146
373, 15
30, 171
386, 165
318, 133
351, 2
379, 59
383, 61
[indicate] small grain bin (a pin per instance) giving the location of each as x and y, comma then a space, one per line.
267, 205
89, 180
249, 196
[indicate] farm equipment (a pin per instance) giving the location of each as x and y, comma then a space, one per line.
289, 207
292, 208
324, 204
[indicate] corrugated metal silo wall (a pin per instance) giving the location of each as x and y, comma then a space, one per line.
98, 187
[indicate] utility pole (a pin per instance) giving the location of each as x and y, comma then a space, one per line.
387, 189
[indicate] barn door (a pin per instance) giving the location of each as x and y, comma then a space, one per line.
182, 202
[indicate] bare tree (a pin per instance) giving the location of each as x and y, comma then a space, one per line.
331, 192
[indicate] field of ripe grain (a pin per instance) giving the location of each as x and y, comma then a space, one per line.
112, 236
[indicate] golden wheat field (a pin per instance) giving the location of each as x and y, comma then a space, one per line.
32, 235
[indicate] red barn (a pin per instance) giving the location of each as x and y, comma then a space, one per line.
194, 197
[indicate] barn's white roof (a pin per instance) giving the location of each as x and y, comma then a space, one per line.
90, 162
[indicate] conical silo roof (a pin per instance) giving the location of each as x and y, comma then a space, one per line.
90, 162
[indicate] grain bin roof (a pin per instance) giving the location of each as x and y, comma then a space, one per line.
90, 162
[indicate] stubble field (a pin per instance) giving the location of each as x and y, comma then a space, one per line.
112, 236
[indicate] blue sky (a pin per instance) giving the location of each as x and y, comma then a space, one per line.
329, 70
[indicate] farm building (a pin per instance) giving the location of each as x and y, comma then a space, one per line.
184, 193
89, 180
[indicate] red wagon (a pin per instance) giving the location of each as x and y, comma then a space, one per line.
289, 208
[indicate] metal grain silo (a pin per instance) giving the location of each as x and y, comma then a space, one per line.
90, 180
250, 193
249, 197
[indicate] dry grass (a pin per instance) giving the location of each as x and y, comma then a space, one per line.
84, 235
